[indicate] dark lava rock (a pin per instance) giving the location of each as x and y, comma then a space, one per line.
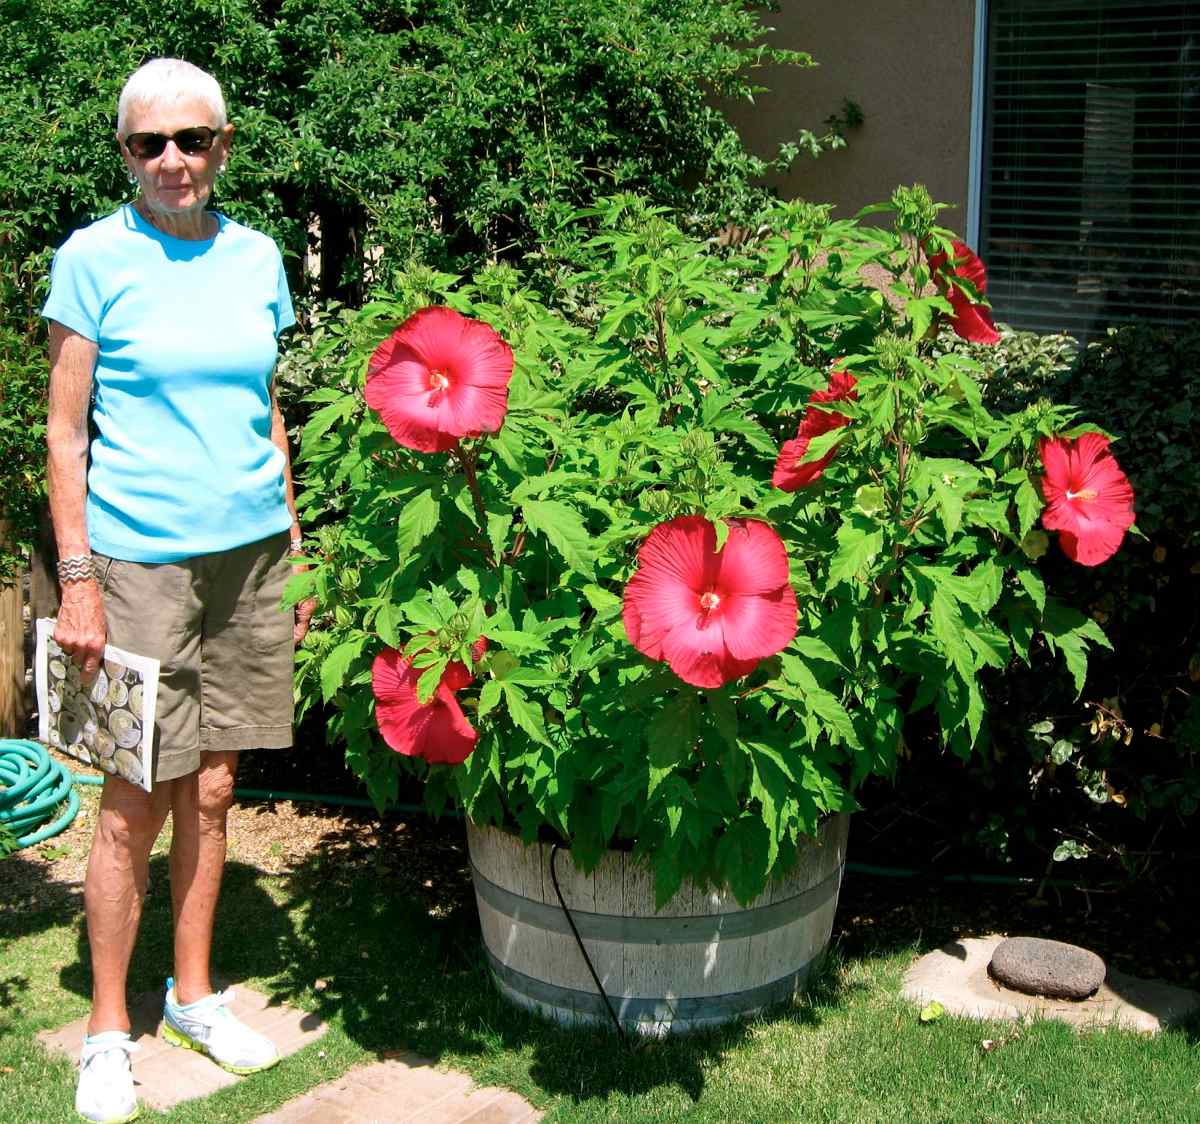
1051, 968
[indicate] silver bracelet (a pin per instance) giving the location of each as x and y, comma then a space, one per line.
76, 568
296, 546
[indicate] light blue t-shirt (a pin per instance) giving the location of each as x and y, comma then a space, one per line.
183, 462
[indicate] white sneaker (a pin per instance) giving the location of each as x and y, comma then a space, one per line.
105, 1090
209, 1027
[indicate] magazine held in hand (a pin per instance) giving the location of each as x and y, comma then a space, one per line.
109, 724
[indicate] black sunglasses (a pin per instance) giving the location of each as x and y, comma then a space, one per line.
191, 142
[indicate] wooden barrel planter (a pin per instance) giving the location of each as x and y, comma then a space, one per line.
700, 961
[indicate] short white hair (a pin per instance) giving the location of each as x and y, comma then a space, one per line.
169, 80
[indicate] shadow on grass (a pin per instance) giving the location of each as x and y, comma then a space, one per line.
383, 940
402, 969
29, 904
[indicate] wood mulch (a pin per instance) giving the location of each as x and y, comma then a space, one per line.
1145, 927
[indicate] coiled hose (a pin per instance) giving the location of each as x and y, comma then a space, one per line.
32, 788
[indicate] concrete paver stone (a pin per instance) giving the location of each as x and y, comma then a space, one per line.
164, 1075
402, 1088
957, 977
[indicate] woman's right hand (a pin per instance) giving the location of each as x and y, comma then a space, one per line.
82, 629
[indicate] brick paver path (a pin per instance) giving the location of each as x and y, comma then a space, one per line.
401, 1090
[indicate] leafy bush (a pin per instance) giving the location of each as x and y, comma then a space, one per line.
372, 132
1020, 369
1143, 726
448, 130
22, 404
662, 386
1070, 772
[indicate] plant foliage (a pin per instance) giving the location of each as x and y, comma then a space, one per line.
451, 130
663, 383
371, 133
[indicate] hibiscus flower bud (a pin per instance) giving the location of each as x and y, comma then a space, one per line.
1035, 544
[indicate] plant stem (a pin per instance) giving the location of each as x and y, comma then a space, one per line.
468, 461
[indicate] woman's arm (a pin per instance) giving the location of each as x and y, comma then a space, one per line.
82, 629
279, 438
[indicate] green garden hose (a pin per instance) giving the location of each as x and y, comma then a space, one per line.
33, 786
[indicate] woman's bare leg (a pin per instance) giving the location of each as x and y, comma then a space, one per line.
199, 807
114, 890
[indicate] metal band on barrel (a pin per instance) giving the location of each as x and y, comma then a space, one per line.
566, 1003
695, 929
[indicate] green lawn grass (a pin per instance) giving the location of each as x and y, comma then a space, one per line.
398, 978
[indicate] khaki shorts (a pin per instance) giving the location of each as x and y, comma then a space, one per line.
225, 647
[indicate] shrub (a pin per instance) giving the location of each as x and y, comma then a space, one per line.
372, 132
1020, 369
1072, 772
22, 404
650, 407
445, 130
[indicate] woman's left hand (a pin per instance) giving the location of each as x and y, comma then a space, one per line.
304, 613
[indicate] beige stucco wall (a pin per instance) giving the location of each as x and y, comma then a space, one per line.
908, 65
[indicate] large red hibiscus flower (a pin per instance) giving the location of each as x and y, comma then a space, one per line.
711, 615
1089, 500
790, 473
971, 321
439, 377
437, 731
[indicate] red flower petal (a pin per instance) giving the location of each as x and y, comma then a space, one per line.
760, 625
437, 731
439, 377
753, 561
703, 668
712, 616
970, 321
675, 560
1089, 500
841, 388
790, 473
456, 676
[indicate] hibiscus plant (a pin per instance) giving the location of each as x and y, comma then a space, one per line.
672, 561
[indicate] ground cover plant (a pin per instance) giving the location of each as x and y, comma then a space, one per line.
676, 564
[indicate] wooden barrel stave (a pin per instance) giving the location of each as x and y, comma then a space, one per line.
700, 961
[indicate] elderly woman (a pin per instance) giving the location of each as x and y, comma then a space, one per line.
175, 539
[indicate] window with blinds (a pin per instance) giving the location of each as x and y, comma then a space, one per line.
1091, 178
